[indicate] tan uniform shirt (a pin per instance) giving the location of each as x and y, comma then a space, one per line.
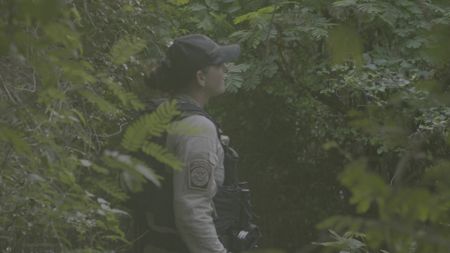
196, 184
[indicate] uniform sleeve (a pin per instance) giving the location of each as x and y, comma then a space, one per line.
195, 187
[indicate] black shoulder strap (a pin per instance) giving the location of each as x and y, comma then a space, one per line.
188, 109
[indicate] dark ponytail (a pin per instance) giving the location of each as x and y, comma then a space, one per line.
160, 78
170, 79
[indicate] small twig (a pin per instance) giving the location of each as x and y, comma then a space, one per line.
115, 133
51, 113
61, 246
87, 14
8, 153
268, 32
97, 140
38, 245
33, 89
7, 91
34, 81
404, 161
135, 240
400, 168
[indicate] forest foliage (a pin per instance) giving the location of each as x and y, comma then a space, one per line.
339, 110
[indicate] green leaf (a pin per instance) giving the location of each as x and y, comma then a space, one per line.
76, 15
16, 138
4, 44
126, 47
61, 33
344, 3
43, 11
415, 43
48, 95
79, 115
77, 71
345, 243
100, 169
150, 125
125, 97
100, 102
366, 187
234, 79
162, 155
132, 166
179, 2
206, 23
344, 43
254, 14
213, 4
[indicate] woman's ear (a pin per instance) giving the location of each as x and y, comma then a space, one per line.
201, 78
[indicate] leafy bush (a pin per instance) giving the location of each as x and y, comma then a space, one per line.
332, 104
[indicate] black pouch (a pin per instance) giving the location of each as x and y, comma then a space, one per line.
234, 218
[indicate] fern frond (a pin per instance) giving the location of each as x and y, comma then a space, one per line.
150, 125
136, 168
125, 97
183, 128
370, 8
345, 3
100, 102
254, 14
110, 187
162, 154
126, 47
15, 138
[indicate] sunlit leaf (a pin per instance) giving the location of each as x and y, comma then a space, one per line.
254, 14
179, 2
126, 47
344, 44
16, 138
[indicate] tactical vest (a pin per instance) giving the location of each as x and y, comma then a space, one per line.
152, 208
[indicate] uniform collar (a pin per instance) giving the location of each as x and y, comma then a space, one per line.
188, 99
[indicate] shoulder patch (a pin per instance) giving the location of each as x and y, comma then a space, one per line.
199, 174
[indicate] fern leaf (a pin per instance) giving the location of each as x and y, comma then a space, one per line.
369, 8
135, 167
111, 187
134, 136
254, 14
344, 3
15, 138
126, 47
162, 155
150, 125
100, 102
125, 97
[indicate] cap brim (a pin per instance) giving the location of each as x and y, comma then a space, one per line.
227, 53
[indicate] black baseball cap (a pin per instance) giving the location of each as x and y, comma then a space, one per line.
196, 51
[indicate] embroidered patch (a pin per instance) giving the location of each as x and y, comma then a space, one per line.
199, 174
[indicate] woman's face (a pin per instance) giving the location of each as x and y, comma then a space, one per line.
215, 79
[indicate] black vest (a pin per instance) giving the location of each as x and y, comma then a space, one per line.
152, 208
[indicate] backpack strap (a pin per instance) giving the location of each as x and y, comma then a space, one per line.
186, 108
231, 157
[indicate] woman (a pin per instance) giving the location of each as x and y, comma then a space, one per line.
193, 73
